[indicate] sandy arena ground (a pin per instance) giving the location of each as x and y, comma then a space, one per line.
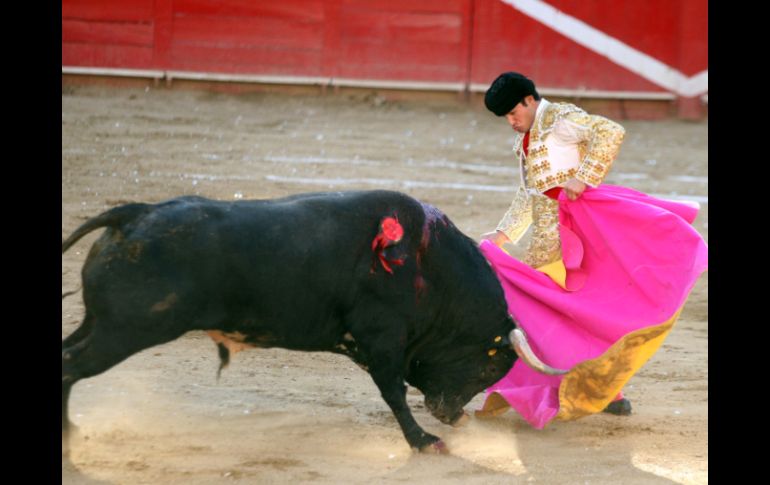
278, 416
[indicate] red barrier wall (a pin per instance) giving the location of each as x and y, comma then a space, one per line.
664, 43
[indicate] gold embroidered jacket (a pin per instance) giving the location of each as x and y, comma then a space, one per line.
564, 142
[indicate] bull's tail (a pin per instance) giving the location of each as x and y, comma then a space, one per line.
65, 295
112, 218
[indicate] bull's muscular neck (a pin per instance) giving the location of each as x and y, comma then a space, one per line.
463, 330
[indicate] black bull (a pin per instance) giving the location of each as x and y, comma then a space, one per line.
305, 273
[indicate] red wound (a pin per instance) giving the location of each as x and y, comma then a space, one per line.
390, 233
392, 229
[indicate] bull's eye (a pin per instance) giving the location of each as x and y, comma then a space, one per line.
492, 352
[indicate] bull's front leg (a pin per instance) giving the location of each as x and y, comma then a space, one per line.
379, 336
385, 369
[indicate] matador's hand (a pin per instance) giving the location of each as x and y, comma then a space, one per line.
574, 188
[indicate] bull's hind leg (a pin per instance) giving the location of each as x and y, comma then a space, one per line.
71, 347
97, 351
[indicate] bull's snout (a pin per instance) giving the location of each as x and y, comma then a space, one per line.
444, 412
462, 420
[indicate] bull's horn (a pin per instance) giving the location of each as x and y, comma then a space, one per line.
521, 346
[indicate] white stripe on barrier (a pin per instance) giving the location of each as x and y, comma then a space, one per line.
618, 52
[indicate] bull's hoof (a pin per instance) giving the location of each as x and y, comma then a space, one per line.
437, 447
428, 443
619, 408
462, 420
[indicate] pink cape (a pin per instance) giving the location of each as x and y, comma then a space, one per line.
631, 261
